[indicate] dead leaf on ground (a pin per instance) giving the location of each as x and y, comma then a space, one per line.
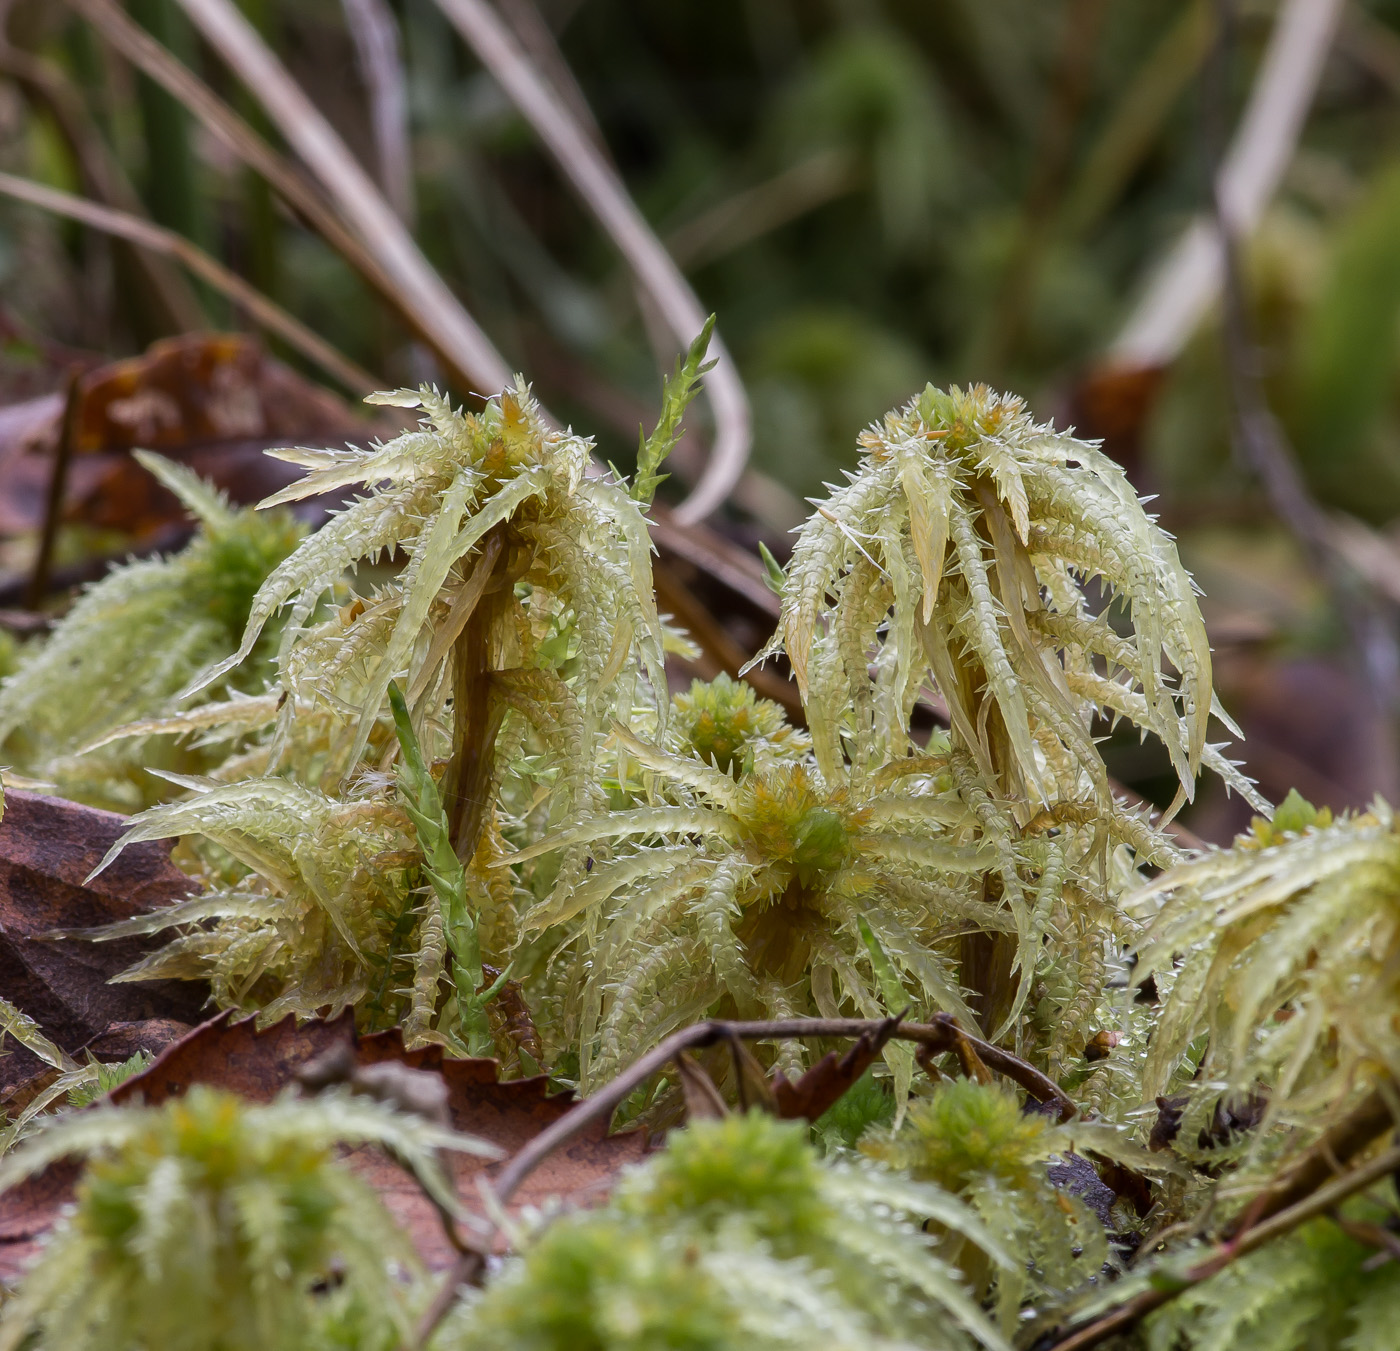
47, 849
259, 1064
214, 401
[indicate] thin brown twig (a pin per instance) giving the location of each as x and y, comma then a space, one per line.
754, 212
375, 33
715, 642
1369, 1120
234, 133
1189, 278
940, 1034
266, 313
1263, 446
1373, 1235
58, 482
102, 177
1147, 1301
1070, 86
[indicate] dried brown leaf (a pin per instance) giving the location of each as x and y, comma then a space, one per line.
259, 1064
211, 401
47, 849
702, 1098
828, 1080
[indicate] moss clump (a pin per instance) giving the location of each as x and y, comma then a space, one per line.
211, 1225
965, 1134
747, 1168
735, 1235
725, 724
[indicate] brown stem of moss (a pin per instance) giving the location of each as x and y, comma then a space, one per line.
476, 713
986, 959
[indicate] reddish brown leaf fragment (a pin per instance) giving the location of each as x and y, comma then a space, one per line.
27, 1213
828, 1080
47, 849
235, 1056
213, 401
17, 1097
259, 1064
121, 1041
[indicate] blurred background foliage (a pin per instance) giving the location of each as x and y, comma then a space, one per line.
871, 194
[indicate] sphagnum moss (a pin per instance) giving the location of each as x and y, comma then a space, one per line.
208, 1224
642, 860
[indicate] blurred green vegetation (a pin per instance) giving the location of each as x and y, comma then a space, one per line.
869, 193
870, 196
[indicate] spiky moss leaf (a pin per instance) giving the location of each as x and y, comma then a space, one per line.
131, 643
241, 547
1317, 1287
316, 921
16, 1023
1285, 953
211, 1225
964, 550
578, 554
677, 391
767, 879
436, 493
970, 519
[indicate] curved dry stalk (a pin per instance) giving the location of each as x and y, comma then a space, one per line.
1191, 276
234, 133
157, 239
375, 33
454, 333
597, 183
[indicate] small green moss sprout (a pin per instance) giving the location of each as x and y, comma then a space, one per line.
978, 1142
725, 724
211, 1225
133, 640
